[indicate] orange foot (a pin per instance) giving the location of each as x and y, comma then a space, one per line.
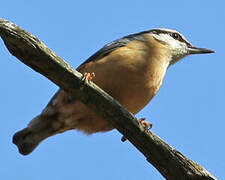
144, 123
86, 78
89, 76
147, 125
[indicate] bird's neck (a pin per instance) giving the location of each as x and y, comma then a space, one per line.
156, 67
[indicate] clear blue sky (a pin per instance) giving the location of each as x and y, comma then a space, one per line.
188, 112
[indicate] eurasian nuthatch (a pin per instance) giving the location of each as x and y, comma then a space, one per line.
130, 69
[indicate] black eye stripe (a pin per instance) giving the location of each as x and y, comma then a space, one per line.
174, 35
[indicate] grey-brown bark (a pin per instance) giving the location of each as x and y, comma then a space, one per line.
28, 49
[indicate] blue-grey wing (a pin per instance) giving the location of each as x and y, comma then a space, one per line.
108, 48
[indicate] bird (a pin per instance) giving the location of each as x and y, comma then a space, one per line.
130, 69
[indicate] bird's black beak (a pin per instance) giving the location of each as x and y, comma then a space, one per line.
197, 50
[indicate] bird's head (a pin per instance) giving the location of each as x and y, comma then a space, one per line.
176, 44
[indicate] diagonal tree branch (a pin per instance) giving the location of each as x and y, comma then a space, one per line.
28, 49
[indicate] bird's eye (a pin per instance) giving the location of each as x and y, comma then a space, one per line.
154, 32
175, 35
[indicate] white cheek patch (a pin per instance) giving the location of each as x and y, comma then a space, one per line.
167, 39
177, 48
175, 45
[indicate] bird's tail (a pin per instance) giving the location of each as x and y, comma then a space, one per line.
28, 138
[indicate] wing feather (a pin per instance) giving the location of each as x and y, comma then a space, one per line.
110, 47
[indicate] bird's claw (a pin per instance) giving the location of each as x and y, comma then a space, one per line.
89, 76
144, 123
86, 78
147, 125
